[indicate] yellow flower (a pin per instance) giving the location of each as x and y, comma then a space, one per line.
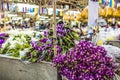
99, 42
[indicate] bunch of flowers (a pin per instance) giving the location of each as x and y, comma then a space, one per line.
43, 50
61, 30
66, 37
85, 62
17, 44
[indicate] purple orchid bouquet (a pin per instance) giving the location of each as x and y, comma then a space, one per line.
85, 62
43, 50
66, 37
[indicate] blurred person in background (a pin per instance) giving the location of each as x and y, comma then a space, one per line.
21, 26
41, 26
26, 26
118, 24
47, 25
2, 28
33, 26
31, 21
77, 30
13, 25
83, 29
9, 26
113, 23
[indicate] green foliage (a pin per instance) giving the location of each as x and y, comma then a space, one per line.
20, 45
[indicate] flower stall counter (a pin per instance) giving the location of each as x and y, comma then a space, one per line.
75, 59
34, 47
14, 45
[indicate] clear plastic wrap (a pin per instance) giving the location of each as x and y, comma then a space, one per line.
117, 77
114, 53
105, 34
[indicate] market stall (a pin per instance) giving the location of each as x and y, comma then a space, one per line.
72, 45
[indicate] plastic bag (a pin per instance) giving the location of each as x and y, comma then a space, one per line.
117, 77
113, 51
107, 34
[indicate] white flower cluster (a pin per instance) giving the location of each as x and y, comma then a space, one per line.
21, 38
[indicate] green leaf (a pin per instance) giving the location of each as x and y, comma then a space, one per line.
33, 59
3, 50
70, 35
16, 54
34, 53
61, 42
44, 53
